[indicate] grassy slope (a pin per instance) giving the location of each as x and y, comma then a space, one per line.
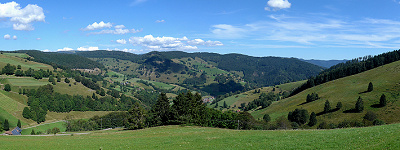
249, 96
176, 137
386, 80
15, 59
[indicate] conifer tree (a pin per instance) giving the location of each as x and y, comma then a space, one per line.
7, 87
370, 87
6, 125
327, 107
161, 111
33, 132
313, 119
19, 123
267, 118
382, 100
339, 105
225, 105
359, 105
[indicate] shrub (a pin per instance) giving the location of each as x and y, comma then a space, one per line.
370, 116
378, 122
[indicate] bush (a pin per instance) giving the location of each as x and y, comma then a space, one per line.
370, 116
378, 122
7, 87
359, 105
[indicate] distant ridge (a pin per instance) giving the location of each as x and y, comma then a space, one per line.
324, 63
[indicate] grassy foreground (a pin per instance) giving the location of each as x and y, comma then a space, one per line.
177, 137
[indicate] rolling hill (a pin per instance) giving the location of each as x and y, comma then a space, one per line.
346, 90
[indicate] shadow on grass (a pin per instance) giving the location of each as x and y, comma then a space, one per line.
322, 113
351, 111
376, 106
363, 92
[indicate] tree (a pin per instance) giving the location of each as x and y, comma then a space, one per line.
136, 119
313, 119
300, 116
51, 80
370, 116
33, 132
267, 118
26, 113
161, 111
67, 80
370, 87
19, 67
382, 100
359, 105
8, 69
225, 105
339, 105
19, 123
7, 88
216, 105
55, 130
19, 73
327, 107
58, 79
6, 125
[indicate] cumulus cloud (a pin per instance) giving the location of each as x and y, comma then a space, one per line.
87, 48
65, 49
160, 21
118, 29
277, 4
96, 26
7, 36
149, 42
121, 41
22, 17
14, 37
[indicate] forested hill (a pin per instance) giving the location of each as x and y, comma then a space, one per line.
324, 63
261, 71
61, 60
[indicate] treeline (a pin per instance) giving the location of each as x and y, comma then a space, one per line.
17, 71
349, 68
264, 100
45, 99
60, 60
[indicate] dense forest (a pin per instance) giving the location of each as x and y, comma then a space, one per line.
349, 68
60, 60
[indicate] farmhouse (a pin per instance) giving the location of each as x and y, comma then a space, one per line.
15, 131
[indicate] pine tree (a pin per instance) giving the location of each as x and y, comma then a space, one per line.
33, 132
161, 111
370, 87
327, 107
382, 100
225, 105
136, 119
19, 123
339, 105
359, 105
26, 113
6, 125
313, 119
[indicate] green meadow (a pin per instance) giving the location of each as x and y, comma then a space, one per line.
191, 137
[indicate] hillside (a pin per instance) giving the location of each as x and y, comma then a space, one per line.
346, 90
324, 63
261, 71
191, 137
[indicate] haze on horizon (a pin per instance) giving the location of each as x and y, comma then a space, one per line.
310, 29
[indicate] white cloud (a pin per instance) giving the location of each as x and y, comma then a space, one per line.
7, 36
22, 17
96, 26
277, 4
160, 21
121, 41
87, 48
226, 31
14, 37
65, 49
149, 42
38, 39
46, 50
118, 29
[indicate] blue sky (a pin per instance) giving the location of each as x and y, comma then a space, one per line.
311, 29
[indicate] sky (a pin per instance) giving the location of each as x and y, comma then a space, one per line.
308, 29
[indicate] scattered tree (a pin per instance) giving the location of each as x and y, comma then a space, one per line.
267, 118
136, 119
327, 107
382, 101
370, 116
55, 130
313, 119
370, 87
67, 80
300, 116
19, 123
225, 105
339, 105
33, 132
6, 125
7, 88
359, 105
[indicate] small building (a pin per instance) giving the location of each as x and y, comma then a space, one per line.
15, 131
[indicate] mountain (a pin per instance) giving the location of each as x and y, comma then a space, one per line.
258, 71
324, 63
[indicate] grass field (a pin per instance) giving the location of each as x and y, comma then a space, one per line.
11, 110
21, 55
177, 137
386, 80
44, 127
11, 59
26, 81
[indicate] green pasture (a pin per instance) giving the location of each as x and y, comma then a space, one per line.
44, 127
178, 137
21, 55
25, 64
